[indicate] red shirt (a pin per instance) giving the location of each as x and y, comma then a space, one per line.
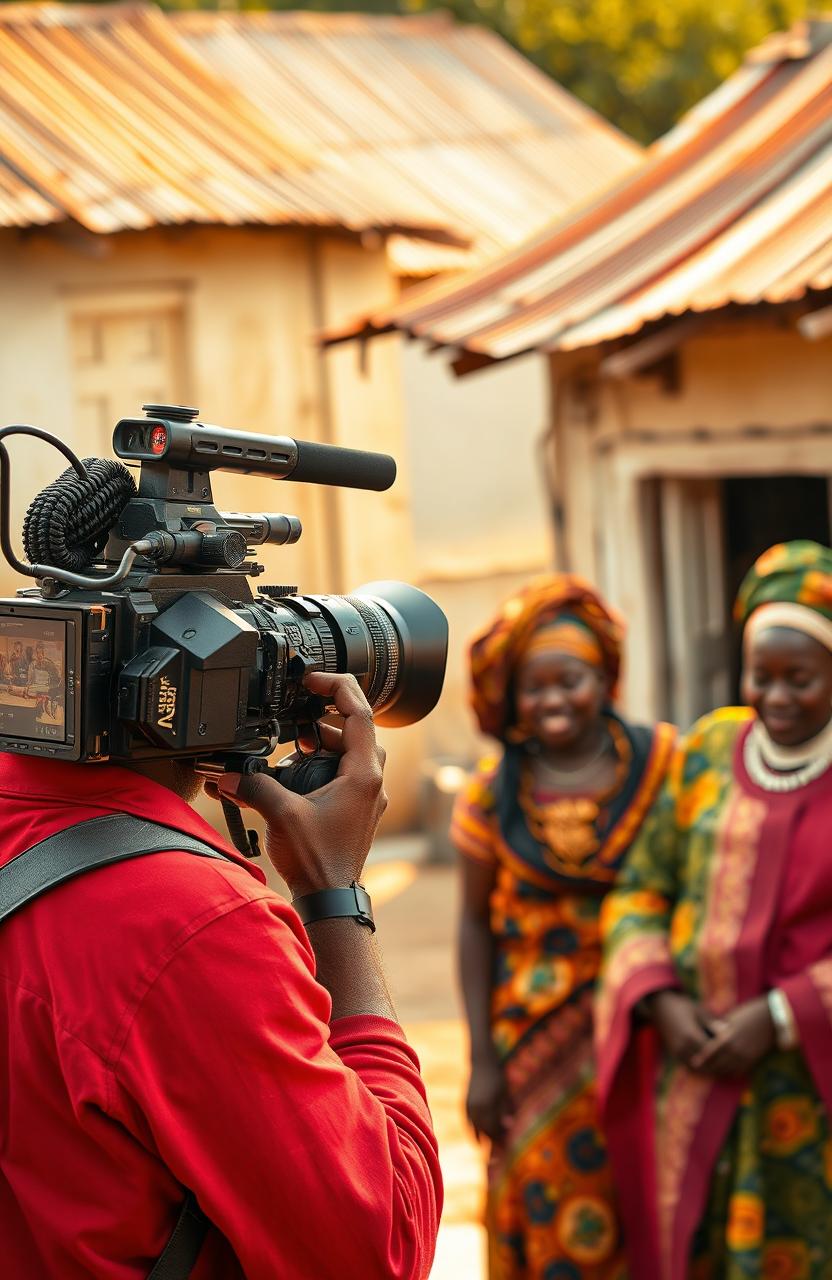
161, 1026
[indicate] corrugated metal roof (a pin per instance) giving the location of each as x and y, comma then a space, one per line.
732, 207
121, 116
444, 119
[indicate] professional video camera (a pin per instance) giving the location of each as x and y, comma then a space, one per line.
169, 654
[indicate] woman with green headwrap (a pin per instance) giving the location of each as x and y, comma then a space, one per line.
714, 1018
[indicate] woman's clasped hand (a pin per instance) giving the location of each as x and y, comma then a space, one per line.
731, 1045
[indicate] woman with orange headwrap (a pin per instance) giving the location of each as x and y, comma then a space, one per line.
543, 829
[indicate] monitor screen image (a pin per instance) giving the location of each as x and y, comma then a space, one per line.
32, 681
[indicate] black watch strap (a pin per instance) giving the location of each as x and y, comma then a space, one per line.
330, 903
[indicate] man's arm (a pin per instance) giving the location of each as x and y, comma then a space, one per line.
311, 1151
309, 1146
321, 841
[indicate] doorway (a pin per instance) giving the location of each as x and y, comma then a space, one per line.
712, 531
758, 512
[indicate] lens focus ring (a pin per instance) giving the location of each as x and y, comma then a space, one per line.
386, 648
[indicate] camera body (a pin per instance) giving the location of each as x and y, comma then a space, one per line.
172, 654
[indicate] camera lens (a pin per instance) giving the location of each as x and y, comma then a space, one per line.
389, 635
408, 635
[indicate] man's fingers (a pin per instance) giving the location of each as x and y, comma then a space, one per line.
260, 792
358, 743
328, 736
341, 690
332, 738
343, 693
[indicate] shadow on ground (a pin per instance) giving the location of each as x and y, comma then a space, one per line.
416, 926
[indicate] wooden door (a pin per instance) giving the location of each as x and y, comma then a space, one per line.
698, 628
122, 360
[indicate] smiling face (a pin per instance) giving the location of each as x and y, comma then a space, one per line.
787, 679
559, 699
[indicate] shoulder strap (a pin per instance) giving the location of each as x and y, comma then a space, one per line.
182, 1249
83, 847
100, 842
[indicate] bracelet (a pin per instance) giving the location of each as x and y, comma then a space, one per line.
329, 904
785, 1027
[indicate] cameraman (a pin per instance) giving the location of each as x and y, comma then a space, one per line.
161, 1027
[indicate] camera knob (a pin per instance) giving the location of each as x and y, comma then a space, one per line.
171, 412
225, 549
277, 593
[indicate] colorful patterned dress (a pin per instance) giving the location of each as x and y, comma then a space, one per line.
551, 1214
726, 894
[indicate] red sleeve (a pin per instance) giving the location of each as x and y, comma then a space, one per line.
311, 1151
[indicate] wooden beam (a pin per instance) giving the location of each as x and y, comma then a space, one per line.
642, 354
469, 362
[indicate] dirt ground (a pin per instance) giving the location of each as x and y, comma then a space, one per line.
416, 906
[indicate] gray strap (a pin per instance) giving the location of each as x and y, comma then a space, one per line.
96, 843
177, 1259
83, 847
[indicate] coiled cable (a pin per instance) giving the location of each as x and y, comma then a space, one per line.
68, 523
35, 569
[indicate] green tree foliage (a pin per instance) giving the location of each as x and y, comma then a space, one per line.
641, 63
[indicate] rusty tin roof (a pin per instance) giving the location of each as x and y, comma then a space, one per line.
124, 117
732, 207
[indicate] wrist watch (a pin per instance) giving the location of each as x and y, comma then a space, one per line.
785, 1027
330, 904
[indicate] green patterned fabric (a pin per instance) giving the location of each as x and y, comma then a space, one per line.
769, 1205
663, 886
770, 1208
792, 572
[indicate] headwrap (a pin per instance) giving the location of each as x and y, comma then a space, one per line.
566, 633
584, 621
790, 585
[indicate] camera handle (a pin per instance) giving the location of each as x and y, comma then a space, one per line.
303, 772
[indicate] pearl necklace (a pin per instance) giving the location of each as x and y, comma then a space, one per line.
779, 757
758, 744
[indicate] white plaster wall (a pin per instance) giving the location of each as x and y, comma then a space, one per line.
480, 518
253, 302
731, 376
247, 322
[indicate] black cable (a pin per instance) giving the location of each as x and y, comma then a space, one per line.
22, 429
68, 523
36, 570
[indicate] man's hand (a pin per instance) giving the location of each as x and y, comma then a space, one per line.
321, 840
739, 1042
684, 1028
486, 1103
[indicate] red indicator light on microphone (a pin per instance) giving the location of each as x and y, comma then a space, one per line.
158, 439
